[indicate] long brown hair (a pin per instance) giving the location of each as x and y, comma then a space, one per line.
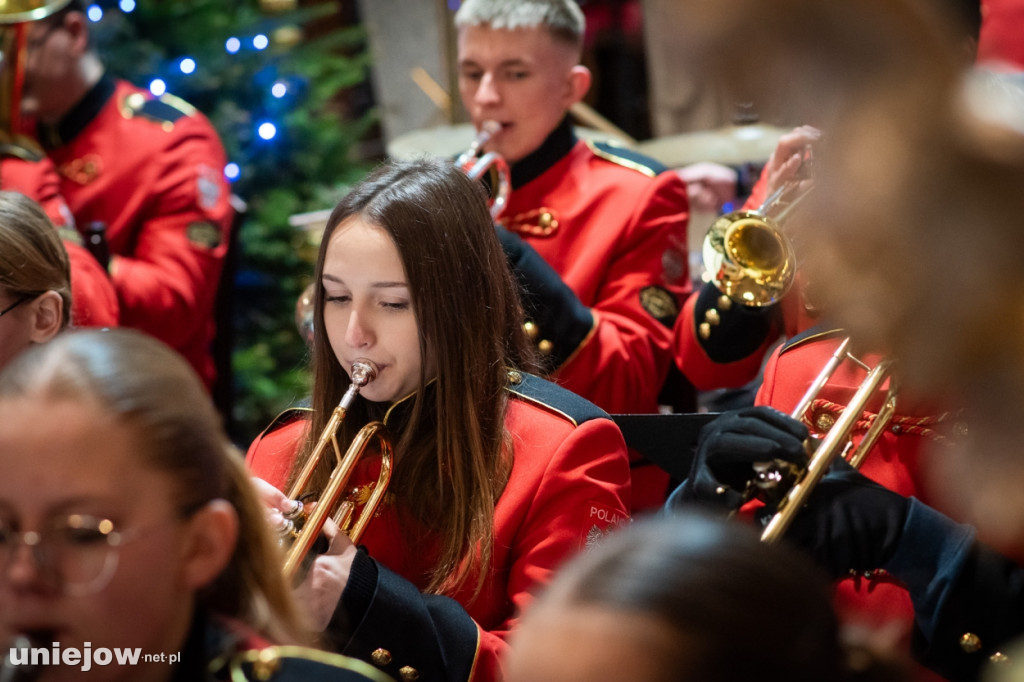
32, 257
452, 456
153, 391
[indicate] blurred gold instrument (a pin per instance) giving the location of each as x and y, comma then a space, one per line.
746, 254
305, 528
773, 476
476, 164
15, 17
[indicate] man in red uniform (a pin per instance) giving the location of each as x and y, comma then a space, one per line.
596, 234
148, 171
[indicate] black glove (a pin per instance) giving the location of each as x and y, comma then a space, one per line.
728, 448
560, 318
850, 522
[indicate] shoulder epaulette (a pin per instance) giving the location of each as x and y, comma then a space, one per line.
287, 663
815, 333
553, 397
165, 110
623, 156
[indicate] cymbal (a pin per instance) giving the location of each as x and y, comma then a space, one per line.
452, 140
729, 145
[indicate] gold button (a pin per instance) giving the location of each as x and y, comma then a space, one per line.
724, 302
381, 657
712, 317
266, 664
408, 673
545, 219
970, 642
999, 657
531, 330
824, 421
515, 377
545, 346
704, 330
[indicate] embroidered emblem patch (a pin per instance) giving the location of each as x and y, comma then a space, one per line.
601, 519
206, 235
660, 303
207, 186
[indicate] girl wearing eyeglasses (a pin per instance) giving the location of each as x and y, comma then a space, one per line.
128, 524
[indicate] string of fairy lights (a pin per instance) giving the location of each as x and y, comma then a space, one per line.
265, 129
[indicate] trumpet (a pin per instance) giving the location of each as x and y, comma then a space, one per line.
746, 254
303, 528
770, 477
475, 165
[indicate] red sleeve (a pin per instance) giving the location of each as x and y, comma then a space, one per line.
758, 194
168, 283
270, 456
623, 361
93, 299
703, 372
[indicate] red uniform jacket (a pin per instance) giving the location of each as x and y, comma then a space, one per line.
151, 170
1001, 41
613, 226
569, 483
93, 299
894, 461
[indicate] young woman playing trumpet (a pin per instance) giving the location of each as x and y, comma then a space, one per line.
498, 477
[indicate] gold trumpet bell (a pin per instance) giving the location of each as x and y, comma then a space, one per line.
748, 258
18, 11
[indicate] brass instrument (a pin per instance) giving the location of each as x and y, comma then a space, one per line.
475, 166
748, 256
15, 17
835, 444
303, 528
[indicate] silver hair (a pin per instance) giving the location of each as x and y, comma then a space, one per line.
564, 18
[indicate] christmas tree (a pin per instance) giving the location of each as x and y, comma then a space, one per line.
286, 88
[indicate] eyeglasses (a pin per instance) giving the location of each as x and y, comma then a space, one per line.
78, 553
27, 297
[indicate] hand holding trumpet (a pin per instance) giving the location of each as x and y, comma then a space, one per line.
792, 160
330, 563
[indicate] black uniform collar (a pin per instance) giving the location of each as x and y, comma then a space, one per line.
551, 151
81, 115
396, 415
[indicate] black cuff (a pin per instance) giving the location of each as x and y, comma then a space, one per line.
355, 600
728, 331
557, 321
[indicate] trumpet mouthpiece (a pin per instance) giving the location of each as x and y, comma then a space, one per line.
363, 372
